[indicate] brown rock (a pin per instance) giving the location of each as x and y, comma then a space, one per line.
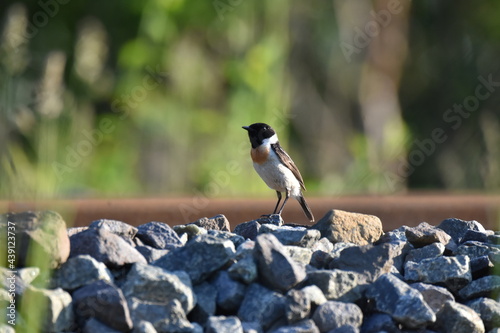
218, 222
41, 238
340, 226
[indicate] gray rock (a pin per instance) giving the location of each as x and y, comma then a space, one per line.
93, 325
206, 297
332, 315
119, 228
158, 235
248, 230
345, 329
301, 255
487, 286
403, 303
494, 239
57, 315
174, 319
323, 245
344, 286
74, 230
458, 318
147, 311
41, 238
103, 301
473, 235
276, 269
315, 295
322, 256
144, 327
494, 257
245, 248
299, 236
154, 284
457, 228
369, 260
452, 272
396, 235
434, 296
433, 250
488, 310
222, 324
244, 270
271, 219
305, 326
168, 317
218, 222
150, 253
185, 238
480, 267
341, 226
251, 327
298, 306
79, 271
320, 259
379, 322
425, 234
261, 305
399, 251
411, 272
339, 247
28, 274
106, 247
236, 239
230, 293
196, 328
200, 257
474, 249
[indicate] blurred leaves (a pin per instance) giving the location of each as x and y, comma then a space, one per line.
148, 98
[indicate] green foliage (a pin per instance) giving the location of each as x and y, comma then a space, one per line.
148, 98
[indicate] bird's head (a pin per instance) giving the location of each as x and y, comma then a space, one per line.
259, 132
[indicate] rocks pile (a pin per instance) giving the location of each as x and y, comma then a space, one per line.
340, 275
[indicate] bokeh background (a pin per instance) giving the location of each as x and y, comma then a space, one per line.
147, 98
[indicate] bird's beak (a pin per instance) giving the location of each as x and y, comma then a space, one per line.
246, 127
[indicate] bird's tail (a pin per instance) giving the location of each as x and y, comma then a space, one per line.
306, 208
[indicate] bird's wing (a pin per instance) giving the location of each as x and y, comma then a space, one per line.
287, 161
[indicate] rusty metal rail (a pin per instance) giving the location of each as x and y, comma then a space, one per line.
394, 211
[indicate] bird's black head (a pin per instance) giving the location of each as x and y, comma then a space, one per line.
258, 132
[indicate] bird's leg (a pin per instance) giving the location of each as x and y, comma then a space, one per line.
287, 195
277, 204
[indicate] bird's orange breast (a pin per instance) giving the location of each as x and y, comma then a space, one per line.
259, 154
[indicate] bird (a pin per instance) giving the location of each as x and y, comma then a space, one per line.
275, 166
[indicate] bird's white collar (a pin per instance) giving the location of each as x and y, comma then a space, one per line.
270, 141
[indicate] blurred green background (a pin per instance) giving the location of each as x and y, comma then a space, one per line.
147, 98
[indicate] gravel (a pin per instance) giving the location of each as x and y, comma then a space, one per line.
342, 274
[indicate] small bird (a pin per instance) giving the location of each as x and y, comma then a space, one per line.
275, 167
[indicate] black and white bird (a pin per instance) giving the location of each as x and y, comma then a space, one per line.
276, 167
